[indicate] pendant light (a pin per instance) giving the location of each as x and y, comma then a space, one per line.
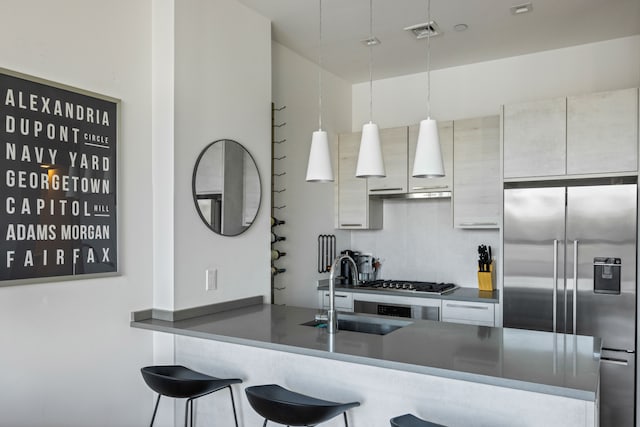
319, 166
370, 163
428, 160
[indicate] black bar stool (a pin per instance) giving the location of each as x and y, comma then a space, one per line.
409, 420
180, 382
283, 406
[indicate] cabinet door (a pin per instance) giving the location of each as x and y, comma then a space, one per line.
394, 153
602, 132
420, 185
477, 187
472, 313
355, 210
534, 137
344, 300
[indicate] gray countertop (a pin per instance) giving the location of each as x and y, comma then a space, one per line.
459, 294
557, 364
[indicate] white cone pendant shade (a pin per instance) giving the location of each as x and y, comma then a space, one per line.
428, 160
370, 163
319, 167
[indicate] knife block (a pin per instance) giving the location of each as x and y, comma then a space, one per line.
486, 279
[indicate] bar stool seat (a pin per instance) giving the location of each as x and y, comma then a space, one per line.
277, 404
180, 382
409, 420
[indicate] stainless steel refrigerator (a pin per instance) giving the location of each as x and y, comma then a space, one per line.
570, 267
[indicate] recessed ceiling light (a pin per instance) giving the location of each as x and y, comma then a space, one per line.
421, 31
460, 27
520, 9
371, 41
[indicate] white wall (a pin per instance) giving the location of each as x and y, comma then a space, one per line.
162, 134
309, 210
479, 89
68, 356
417, 240
222, 91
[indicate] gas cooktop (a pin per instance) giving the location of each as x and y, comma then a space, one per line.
406, 285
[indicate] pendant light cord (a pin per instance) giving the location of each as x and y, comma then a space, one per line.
320, 67
370, 61
429, 58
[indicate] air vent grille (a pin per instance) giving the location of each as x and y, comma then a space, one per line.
427, 29
371, 41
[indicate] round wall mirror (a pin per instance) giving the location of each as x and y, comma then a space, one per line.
226, 187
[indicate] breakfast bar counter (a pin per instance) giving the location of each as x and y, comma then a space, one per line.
525, 365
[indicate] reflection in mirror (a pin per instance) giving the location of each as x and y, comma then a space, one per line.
226, 187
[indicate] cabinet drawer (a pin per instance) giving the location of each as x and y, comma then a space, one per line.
344, 300
470, 322
478, 313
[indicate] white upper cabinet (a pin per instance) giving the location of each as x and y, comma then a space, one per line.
394, 153
421, 185
354, 208
602, 132
477, 195
580, 135
535, 138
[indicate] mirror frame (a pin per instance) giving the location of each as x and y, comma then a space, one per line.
193, 186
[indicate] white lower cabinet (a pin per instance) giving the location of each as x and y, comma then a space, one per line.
472, 313
344, 300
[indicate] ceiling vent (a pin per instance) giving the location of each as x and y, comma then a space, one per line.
522, 8
427, 29
370, 41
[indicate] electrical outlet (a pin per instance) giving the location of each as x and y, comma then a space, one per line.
211, 277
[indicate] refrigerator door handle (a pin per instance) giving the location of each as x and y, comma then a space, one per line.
575, 287
555, 285
614, 361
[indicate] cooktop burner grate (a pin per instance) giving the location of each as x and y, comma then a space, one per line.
406, 285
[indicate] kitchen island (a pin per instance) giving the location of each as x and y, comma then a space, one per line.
449, 373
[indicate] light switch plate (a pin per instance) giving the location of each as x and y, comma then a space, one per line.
211, 277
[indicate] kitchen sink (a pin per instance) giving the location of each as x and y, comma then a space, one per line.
363, 324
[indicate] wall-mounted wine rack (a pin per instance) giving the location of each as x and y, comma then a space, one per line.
277, 197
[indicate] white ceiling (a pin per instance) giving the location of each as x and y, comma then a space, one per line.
493, 31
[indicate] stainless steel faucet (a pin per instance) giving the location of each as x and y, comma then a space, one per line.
331, 317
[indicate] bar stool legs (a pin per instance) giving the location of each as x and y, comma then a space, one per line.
155, 410
188, 409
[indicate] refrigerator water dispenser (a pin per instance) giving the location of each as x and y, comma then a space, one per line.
606, 275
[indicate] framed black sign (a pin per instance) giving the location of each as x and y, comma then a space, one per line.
58, 218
